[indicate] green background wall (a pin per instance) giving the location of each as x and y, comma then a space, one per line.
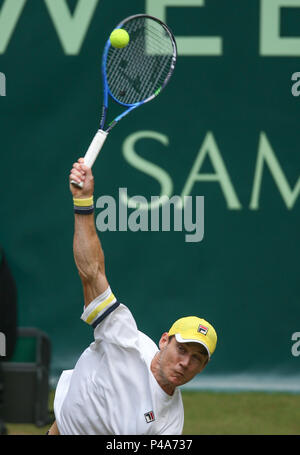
228, 118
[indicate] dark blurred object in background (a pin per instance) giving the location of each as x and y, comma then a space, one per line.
8, 321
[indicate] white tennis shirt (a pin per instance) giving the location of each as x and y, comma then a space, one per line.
111, 390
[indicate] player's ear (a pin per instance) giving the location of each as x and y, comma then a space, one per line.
163, 340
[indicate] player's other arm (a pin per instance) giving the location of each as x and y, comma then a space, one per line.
88, 253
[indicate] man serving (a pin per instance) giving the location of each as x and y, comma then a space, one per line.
122, 384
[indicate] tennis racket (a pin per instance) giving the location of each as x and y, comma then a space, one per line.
135, 74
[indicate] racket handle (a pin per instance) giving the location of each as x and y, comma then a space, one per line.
93, 151
94, 148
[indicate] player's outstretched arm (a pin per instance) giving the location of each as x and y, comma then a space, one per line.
88, 253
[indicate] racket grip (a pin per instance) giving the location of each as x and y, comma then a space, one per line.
93, 151
94, 148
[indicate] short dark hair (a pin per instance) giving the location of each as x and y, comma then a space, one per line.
170, 338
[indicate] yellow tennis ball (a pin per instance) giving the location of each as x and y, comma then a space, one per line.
119, 38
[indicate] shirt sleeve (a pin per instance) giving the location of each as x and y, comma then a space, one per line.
119, 328
100, 308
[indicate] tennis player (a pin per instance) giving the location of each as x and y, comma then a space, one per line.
123, 384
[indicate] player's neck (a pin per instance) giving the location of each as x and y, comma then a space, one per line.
157, 373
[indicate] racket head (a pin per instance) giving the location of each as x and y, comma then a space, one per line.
137, 73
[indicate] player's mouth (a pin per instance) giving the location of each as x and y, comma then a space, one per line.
179, 374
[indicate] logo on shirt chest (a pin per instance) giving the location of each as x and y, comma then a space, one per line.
149, 416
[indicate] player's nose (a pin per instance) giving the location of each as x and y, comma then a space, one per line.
184, 361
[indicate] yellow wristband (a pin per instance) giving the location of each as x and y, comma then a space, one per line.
83, 202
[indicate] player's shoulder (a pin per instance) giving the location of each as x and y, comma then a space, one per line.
147, 346
147, 341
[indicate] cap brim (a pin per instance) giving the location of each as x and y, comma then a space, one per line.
184, 340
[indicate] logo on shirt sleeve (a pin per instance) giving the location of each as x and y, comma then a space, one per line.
149, 416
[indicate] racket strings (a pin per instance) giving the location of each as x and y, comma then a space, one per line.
137, 71
143, 84
149, 63
128, 79
139, 84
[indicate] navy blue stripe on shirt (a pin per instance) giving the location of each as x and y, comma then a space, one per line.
106, 313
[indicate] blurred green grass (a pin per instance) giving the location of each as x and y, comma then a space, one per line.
242, 413
216, 413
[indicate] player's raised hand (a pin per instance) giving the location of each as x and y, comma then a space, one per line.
81, 174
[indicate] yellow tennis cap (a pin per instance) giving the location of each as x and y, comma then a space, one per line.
192, 329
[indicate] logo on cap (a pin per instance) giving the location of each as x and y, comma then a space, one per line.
202, 329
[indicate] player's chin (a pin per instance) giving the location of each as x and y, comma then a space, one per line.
178, 380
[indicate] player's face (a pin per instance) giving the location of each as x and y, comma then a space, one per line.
180, 362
